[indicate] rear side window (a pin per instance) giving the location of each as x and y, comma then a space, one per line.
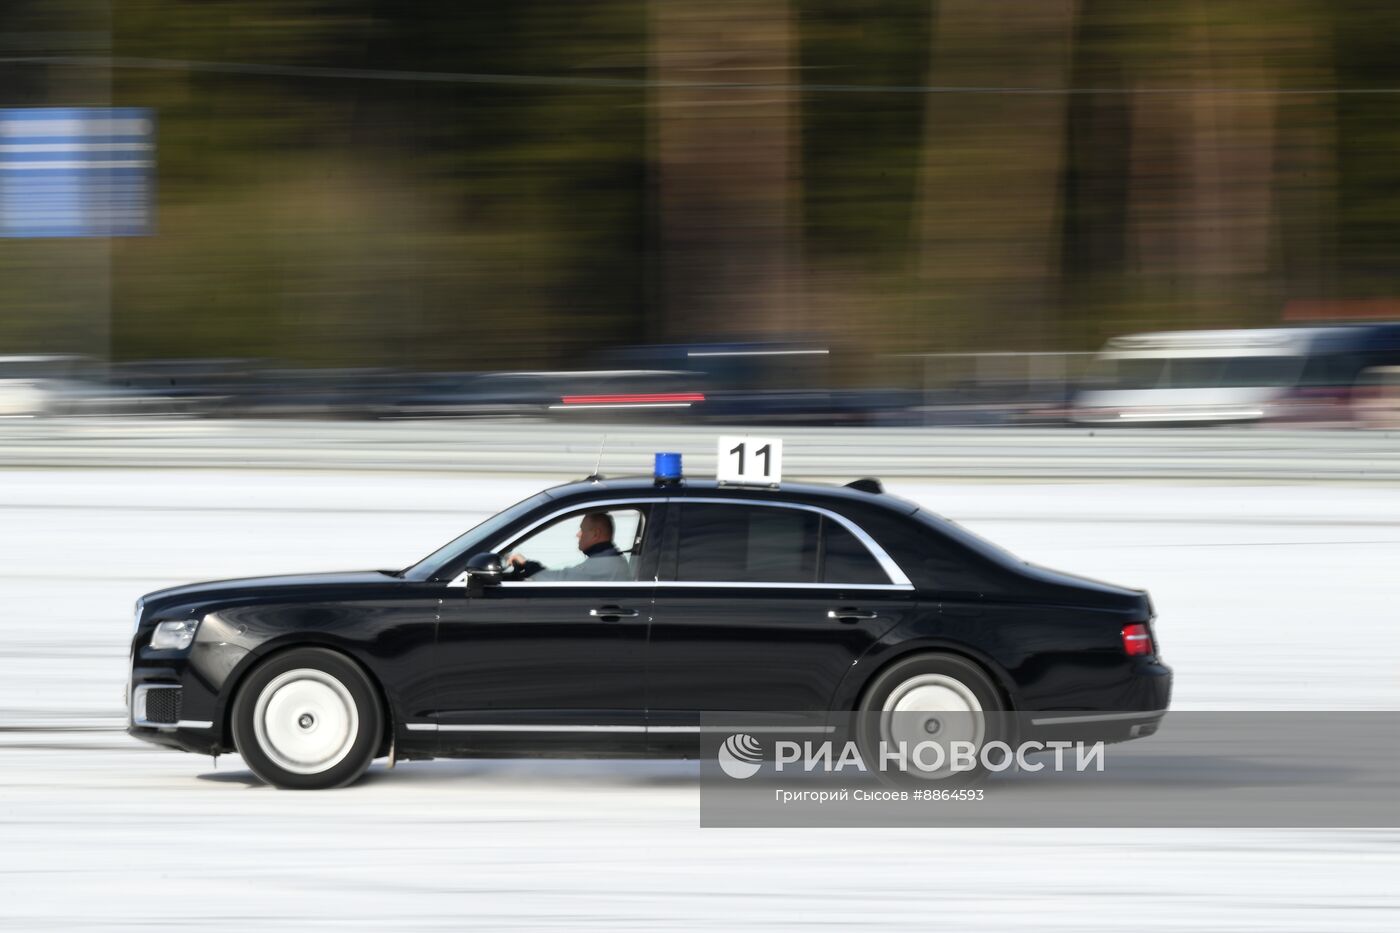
747, 544
763, 544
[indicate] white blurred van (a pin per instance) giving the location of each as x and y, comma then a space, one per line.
31, 386
1297, 374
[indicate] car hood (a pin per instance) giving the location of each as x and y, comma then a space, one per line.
222, 588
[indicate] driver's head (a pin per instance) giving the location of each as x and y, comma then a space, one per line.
596, 527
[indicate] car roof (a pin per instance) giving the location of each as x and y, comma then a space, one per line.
811, 493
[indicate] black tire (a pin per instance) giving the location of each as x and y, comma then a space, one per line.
944, 671
297, 693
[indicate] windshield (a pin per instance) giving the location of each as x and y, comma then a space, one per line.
1195, 372
479, 536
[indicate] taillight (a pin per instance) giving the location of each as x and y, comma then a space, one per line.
1137, 641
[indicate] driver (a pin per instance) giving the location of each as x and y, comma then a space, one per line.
601, 558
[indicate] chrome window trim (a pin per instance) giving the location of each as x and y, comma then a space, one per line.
138, 711
841, 587
514, 727
715, 727
581, 727
629, 584
898, 580
461, 581
708, 584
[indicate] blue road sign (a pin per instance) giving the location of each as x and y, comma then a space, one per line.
73, 172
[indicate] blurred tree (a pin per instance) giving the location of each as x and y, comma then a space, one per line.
861, 146
392, 211
990, 207
1202, 178
861, 149
1201, 181
725, 167
1368, 138
54, 293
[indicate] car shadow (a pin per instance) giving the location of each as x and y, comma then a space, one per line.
245, 777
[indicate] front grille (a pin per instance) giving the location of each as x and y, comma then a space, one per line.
163, 705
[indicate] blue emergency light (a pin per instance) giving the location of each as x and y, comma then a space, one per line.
668, 468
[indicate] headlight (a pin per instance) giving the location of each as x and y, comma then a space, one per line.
176, 635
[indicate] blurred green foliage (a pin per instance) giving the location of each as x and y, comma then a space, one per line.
1182, 163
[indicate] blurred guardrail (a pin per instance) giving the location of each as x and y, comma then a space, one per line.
558, 450
991, 388
939, 370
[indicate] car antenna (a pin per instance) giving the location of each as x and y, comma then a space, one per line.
598, 464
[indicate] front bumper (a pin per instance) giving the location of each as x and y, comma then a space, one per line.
164, 727
199, 740
171, 704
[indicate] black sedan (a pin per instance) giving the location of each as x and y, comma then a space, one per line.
605, 617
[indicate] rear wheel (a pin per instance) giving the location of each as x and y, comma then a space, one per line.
308, 719
920, 711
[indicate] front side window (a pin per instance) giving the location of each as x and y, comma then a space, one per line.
588, 546
764, 544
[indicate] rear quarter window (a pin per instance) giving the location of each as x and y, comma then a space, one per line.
845, 559
939, 555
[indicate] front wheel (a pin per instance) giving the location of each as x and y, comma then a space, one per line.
308, 719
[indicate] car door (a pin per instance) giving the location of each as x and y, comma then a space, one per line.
762, 607
561, 660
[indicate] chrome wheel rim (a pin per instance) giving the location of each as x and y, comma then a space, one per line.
305, 721
931, 707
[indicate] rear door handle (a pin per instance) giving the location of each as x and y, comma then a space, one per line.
612, 613
851, 615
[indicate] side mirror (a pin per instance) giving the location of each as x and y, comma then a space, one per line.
484, 570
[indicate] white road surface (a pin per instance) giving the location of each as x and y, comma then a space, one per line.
1269, 597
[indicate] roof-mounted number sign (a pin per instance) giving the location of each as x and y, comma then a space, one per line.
749, 461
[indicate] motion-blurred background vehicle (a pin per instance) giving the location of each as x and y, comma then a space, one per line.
34, 385
1297, 374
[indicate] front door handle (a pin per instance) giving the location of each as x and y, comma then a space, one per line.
612, 613
850, 616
